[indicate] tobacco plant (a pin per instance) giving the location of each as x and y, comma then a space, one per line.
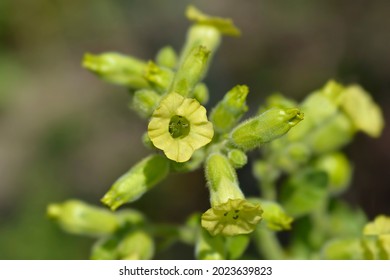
300, 169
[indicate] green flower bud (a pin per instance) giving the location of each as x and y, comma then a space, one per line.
318, 109
222, 180
230, 109
264, 128
277, 100
274, 216
136, 245
338, 168
230, 214
206, 32
145, 101
337, 132
237, 158
333, 91
343, 249
139, 179
78, 217
167, 57
191, 71
201, 93
365, 114
117, 68
159, 77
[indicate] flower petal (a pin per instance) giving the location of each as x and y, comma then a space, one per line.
236, 216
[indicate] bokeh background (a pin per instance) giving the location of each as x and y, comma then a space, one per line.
65, 134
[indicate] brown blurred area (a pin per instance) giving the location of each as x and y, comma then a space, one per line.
65, 134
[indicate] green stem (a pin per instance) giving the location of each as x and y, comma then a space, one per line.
268, 245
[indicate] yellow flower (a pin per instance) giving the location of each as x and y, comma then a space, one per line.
179, 126
236, 216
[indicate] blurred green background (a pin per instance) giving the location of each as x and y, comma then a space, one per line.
65, 134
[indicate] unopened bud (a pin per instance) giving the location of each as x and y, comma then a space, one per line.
139, 179
264, 128
117, 68
230, 109
78, 217
167, 57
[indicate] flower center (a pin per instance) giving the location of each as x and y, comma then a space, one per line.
179, 126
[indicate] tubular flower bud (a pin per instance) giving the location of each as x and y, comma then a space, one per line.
78, 217
145, 101
237, 158
264, 128
167, 57
179, 126
230, 214
139, 179
207, 32
191, 71
117, 68
230, 109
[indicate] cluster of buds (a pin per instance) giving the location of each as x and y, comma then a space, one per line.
184, 136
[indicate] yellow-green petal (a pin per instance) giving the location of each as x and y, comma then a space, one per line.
236, 216
179, 126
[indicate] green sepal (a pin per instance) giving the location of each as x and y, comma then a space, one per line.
230, 109
139, 179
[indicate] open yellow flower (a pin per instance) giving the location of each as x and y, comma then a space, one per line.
179, 126
236, 216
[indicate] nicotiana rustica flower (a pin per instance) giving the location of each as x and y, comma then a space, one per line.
236, 216
230, 213
179, 126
